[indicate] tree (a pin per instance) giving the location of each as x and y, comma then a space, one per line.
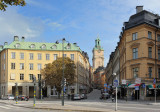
4, 3
52, 73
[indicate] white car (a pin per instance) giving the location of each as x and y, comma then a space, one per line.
8, 97
76, 97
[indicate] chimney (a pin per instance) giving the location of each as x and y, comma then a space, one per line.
139, 9
23, 39
5, 43
16, 38
75, 44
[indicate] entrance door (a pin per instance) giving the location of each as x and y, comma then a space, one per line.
31, 91
137, 94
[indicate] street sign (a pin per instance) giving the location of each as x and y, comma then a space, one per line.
105, 85
123, 81
115, 83
137, 80
143, 85
154, 81
136, 87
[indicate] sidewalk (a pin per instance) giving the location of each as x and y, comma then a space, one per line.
47, 105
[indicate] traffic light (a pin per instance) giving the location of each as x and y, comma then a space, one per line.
64, 81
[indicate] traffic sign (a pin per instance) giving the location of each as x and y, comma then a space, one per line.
105, 85
136, 87
154, 81
115, 83
143, 85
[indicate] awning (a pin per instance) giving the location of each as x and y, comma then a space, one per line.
137, 84
150, 86
132, 86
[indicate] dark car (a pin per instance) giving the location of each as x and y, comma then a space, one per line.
23, 97
104, 96
83, 96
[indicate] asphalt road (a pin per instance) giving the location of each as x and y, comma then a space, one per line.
92, 101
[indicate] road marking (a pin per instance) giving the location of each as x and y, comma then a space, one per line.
4, 107
12, 106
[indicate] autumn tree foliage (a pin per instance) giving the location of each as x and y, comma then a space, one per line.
52, 73
4, 3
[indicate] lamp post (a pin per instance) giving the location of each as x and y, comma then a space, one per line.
114, 74
63, 41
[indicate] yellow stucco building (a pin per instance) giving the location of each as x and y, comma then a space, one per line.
20, 60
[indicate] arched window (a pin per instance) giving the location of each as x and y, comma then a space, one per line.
17, 45
43, 46
54, 47
32, 46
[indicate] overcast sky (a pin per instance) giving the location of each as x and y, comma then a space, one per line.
79, 21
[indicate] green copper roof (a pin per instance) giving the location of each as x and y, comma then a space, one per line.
41, 46
98, 44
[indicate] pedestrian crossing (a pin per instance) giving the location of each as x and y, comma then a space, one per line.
8, 107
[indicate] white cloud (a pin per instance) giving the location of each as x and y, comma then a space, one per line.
12, 23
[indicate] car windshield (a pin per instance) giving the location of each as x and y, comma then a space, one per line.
76, 95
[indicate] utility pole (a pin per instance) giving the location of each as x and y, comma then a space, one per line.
63, 40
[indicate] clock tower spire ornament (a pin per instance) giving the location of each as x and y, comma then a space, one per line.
98, 54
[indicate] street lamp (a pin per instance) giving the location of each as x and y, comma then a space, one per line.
114, 74
68, 45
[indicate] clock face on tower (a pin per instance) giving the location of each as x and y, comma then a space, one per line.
99, 51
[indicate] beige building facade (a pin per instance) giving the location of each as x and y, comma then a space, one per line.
21, 60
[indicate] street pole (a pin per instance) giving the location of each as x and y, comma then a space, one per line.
137, 95
116, 96
63, 72
34, 101
41, 91
16, 93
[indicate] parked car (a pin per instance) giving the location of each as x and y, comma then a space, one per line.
8, 97
76, 97
104, 96
23, 97
83, 96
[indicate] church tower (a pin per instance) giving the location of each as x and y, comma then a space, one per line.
98, 55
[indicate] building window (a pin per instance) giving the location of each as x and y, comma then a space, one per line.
43, 46
55, 56
134, 36
158, 37
150, 72
72, 57
21, 76
30, 76
31, 66
64, 55
31, 56
18, 45
21, 55
135, 53
150, 52
32, 46
149, 35
21, 66
158, 54
13, 66
54, 47
135, 72
158, 72
4, 56
47, 56
39, 56
39, 66
13, 55
39, 76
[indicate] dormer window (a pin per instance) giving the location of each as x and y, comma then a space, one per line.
54, 47
32, 46
43, 46
17, 45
